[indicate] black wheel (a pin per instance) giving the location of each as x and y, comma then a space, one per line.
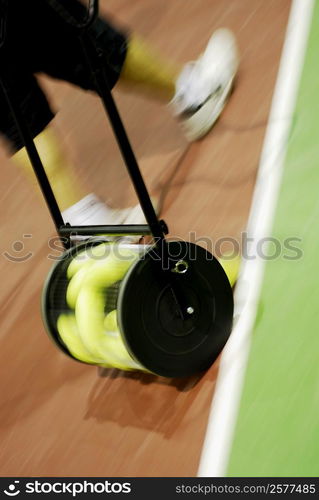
153, 330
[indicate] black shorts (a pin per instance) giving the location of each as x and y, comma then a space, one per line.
38, 41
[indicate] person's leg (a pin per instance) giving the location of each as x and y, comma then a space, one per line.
18, 55
148, 71
78, 205
63, 179
196, 92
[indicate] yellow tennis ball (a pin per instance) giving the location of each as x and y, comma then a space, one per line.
108, 271
231, 265
117, 351
92, 254
120, 357
86, 293
110, 321
89, 313
68, 332
108, 347
75, 283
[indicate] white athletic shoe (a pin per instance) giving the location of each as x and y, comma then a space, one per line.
204, 85
91, 211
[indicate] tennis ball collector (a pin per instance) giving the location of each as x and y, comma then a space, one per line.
113, 305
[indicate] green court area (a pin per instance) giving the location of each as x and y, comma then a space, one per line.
277, 430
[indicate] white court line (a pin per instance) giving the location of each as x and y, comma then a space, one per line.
224, 410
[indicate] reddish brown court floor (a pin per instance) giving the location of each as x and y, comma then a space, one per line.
59, 417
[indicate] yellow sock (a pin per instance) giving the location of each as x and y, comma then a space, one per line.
145, 68
63, 181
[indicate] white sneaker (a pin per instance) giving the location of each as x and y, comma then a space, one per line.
204, 85
91, 211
